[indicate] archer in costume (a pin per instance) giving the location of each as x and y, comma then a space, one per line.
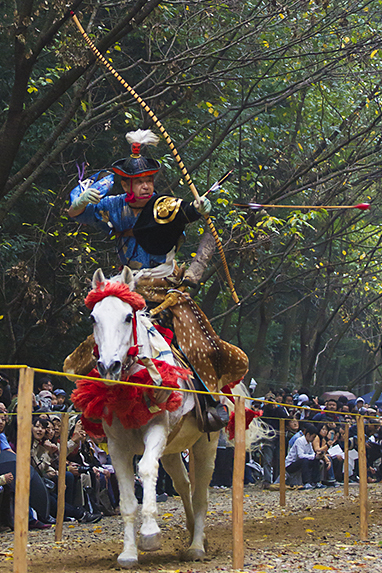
148, 227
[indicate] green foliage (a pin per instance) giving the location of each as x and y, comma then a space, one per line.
287, 95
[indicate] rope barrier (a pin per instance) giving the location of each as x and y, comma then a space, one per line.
187, 390
125, 383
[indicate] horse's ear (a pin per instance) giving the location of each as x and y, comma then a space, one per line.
127, 277
98, 277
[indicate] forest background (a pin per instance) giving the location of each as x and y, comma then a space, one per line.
288, 94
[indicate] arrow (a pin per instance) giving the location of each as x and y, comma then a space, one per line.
216, 186
256, 206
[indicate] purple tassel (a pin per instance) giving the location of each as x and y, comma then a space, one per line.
81, 171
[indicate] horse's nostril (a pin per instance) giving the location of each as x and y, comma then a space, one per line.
115, 368
101, 369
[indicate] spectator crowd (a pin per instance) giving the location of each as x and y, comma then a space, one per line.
91, 488
314, 439
314, 442
314, 446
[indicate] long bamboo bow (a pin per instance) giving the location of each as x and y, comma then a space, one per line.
174, 151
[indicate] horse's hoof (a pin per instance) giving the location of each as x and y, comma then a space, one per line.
150, 542
194, 555
127, 561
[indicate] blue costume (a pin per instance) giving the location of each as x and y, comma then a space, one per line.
145, 239
113, 214
142, 241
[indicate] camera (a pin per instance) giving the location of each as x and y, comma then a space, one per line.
83, 469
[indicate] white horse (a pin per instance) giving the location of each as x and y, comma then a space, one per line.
127, 344
164, 437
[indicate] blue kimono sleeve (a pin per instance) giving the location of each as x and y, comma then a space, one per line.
102, 185
106, 215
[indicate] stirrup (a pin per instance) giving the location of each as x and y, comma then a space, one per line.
170, 300
215, 418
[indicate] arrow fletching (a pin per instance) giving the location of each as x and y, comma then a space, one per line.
217, 185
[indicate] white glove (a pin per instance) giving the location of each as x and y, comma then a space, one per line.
90, 195
203, 206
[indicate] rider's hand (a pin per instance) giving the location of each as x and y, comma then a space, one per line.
203, 206
90, 195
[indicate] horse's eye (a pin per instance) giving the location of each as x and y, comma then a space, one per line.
92, 319
129, 318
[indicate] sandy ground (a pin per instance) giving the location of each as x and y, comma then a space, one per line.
317, 530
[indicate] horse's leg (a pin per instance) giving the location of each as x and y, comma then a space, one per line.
204, 460
174, 466
123, 465
155, 442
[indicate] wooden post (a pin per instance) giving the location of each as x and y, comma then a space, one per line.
61, 476
238, 485
346, 461
362, 478
24, 424
282, 462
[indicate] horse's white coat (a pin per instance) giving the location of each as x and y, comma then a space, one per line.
114, 336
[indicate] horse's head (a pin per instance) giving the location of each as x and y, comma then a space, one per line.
114, 308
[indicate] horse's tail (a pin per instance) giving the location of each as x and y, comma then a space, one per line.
257, 431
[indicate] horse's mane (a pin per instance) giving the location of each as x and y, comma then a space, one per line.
117, 289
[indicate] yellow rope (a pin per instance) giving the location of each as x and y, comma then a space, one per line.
261, 400
166, 136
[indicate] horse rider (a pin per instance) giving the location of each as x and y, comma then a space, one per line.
148, 227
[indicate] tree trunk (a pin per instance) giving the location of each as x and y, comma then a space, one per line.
286, 344
265, 314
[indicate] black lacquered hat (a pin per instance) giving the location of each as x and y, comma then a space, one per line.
138, 165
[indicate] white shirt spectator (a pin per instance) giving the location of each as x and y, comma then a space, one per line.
300, 449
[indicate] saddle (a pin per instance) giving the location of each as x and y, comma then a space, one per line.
211, 415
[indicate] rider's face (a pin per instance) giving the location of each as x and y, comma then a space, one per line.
143, 188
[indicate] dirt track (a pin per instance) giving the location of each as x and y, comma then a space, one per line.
318, 530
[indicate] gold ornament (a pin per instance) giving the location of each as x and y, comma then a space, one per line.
166, 209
